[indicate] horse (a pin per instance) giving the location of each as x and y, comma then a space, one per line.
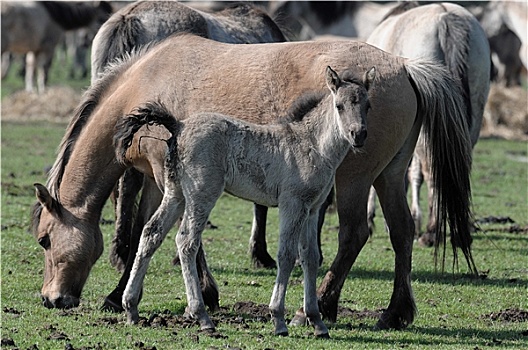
145, 23
190, 74
449, 34
306, 20
288, 165
34, 28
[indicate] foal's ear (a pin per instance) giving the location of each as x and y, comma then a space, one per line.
332, 79
45, 198
368, 77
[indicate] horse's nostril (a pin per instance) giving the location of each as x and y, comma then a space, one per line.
47, 303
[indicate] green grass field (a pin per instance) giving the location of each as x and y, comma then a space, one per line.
454, 311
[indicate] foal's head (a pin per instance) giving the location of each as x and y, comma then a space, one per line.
351, 104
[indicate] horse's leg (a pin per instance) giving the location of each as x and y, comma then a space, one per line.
390, 186
43, 64
416, 179
150, 201
257, 242
428, 238
353, 234
30, 70
125, 200
371, 210
309, 255
152, 236
292, 218
320, 221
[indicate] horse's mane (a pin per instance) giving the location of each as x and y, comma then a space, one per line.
82, 114
401, 8
73, 15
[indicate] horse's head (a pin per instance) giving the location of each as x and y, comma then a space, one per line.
351, 104
71, 247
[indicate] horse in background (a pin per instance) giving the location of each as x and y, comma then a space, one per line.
250, 161
34, 29
408, 94
306, 20
449, 34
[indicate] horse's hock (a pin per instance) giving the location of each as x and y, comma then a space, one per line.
56, 104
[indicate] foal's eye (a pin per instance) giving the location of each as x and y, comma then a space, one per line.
44, 242
340, 107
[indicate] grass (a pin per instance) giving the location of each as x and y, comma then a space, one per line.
454, 310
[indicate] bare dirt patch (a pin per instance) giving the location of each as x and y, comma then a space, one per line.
508, 315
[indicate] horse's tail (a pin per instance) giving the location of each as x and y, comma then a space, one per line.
448, 145
117, 38
453, 34
149, 114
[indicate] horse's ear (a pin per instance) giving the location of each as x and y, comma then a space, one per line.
368, 77
332, 79
45, 198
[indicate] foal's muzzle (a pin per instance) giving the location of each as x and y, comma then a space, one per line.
61, 302
359, 138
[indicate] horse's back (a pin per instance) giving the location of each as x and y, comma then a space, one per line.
192, 75
447, 33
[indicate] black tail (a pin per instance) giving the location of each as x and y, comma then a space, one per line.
149, 114
453, 34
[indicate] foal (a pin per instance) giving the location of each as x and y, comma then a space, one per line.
290, 165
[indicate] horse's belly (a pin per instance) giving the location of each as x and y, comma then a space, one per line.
250, 191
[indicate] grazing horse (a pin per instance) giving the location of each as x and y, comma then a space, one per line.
290, 166
449, 34
189, 74
35, 28
144, 23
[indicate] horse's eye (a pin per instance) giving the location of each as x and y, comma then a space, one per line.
44, 242
340, 107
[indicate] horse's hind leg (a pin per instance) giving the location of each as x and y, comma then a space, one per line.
258, 248
353, 234
390, 186
30, 70
152, 236
309, 256
416, 180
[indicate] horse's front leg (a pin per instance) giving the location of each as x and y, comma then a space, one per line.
152, 236
257, 242
309, 256
292, 218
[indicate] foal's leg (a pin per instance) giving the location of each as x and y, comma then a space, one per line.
257, 242
152, 236
292, 218
309, 256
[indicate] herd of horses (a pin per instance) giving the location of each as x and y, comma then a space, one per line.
179, 111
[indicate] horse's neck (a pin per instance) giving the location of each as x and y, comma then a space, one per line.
323, 130
89, 177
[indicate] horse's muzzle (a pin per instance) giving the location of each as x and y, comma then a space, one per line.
61, 302
359, 138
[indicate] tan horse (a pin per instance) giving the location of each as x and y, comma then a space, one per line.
190, 74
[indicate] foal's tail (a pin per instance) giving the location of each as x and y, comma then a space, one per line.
449, 148
149, 114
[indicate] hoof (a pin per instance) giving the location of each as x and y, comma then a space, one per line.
323, 336
427, 240
264, 261
282, 334
112, 306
